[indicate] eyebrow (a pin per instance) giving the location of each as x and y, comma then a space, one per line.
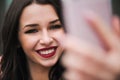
31, 25
54, 21
34, 25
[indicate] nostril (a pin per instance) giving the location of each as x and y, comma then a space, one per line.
46, 41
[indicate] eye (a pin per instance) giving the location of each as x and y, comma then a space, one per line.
31, 31
52, 27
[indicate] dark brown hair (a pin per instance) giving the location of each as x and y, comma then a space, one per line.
14, 65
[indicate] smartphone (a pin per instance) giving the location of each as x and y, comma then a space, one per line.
75, 23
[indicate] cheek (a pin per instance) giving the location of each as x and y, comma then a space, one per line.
28, 42
58, 33
60, 52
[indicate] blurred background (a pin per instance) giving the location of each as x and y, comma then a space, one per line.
4, 5
116, 7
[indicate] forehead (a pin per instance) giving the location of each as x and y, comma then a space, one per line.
38, 12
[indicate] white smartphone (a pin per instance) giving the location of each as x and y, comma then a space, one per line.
75, 23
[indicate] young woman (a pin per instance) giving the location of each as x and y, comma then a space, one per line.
30, 49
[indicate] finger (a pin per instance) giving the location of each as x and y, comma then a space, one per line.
113, 61
107, 35
116, 25
88, 67
71, 75
69, 59
82, 48
75, 75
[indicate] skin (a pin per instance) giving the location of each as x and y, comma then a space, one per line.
88, 61
37, 27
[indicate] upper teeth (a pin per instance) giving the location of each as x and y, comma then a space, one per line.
47, 51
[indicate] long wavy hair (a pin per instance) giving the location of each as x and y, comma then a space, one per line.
14, 65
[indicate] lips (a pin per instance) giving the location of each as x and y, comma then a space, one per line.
47, 52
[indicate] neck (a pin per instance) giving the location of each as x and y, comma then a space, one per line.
38, 73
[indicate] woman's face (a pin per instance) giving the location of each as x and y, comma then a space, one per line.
38, 25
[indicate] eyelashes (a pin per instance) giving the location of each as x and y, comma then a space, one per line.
31, 31
52, 27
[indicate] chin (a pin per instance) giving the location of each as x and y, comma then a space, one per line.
50, 63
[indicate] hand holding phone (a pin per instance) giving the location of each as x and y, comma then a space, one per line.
88, 61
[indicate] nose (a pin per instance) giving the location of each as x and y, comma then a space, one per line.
46, 39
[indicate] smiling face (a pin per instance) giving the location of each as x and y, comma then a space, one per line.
37, 27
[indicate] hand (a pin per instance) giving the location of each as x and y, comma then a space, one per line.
84, 61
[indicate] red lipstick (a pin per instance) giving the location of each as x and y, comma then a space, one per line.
47, 52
